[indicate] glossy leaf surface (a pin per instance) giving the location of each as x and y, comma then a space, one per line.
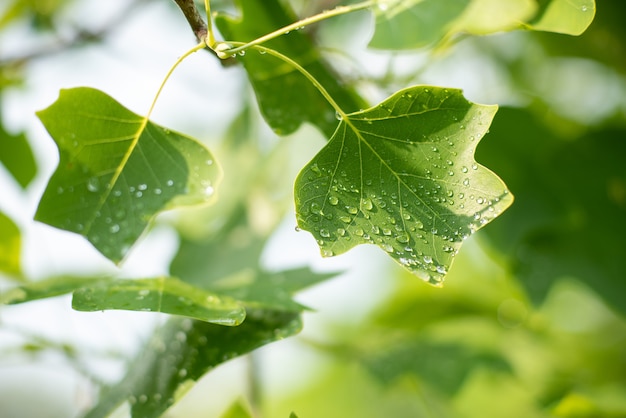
402, 175
117, 170
163, 294
182, 352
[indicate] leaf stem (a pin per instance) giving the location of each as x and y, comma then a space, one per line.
304, 72
210, 41
337, 11
195, 49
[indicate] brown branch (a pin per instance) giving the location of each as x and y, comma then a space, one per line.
198, 26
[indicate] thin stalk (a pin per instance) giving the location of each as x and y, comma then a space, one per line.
337, 11
195, 49
305, 73
210, 41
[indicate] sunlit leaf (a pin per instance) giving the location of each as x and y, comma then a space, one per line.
10, 247
17, 157
571, 17
402, 175
484, 17
414, 23
163, 294
117, 171
182, 352
286, 98
409, 24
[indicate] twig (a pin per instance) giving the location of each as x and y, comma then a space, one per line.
197, 24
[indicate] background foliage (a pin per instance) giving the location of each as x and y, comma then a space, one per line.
530, 322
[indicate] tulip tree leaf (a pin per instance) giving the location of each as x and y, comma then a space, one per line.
402, 175
286, 98
414, 24
163, 294
408, 24
181, 352
117, 170
571, 17
10, 246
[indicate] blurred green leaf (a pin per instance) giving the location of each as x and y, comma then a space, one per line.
163, 294
269, 290
402, 175
410, 24
415, 23
568, 219
10, 248
228, 264
117, 170
48, 288
17, 157
444, 366
571, 17
237, 410
286, 98
182, 352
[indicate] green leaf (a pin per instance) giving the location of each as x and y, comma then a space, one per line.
409, 24
49, 288
182, 352
483, 17
571, 17
414, 23
219, 264
164, 294
447, 368
402, 175
10, 247
237, 410
571, 204
17, 157
286, 98
269, 290
117, 170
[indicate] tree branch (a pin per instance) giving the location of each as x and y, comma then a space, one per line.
198, 26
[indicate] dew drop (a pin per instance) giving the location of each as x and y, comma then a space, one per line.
333, 200
142, 187
170, 183
115, 228
466, 182
341, 232
93, 185
402, 238
324, 233
352, 210
428, 259
367, 204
